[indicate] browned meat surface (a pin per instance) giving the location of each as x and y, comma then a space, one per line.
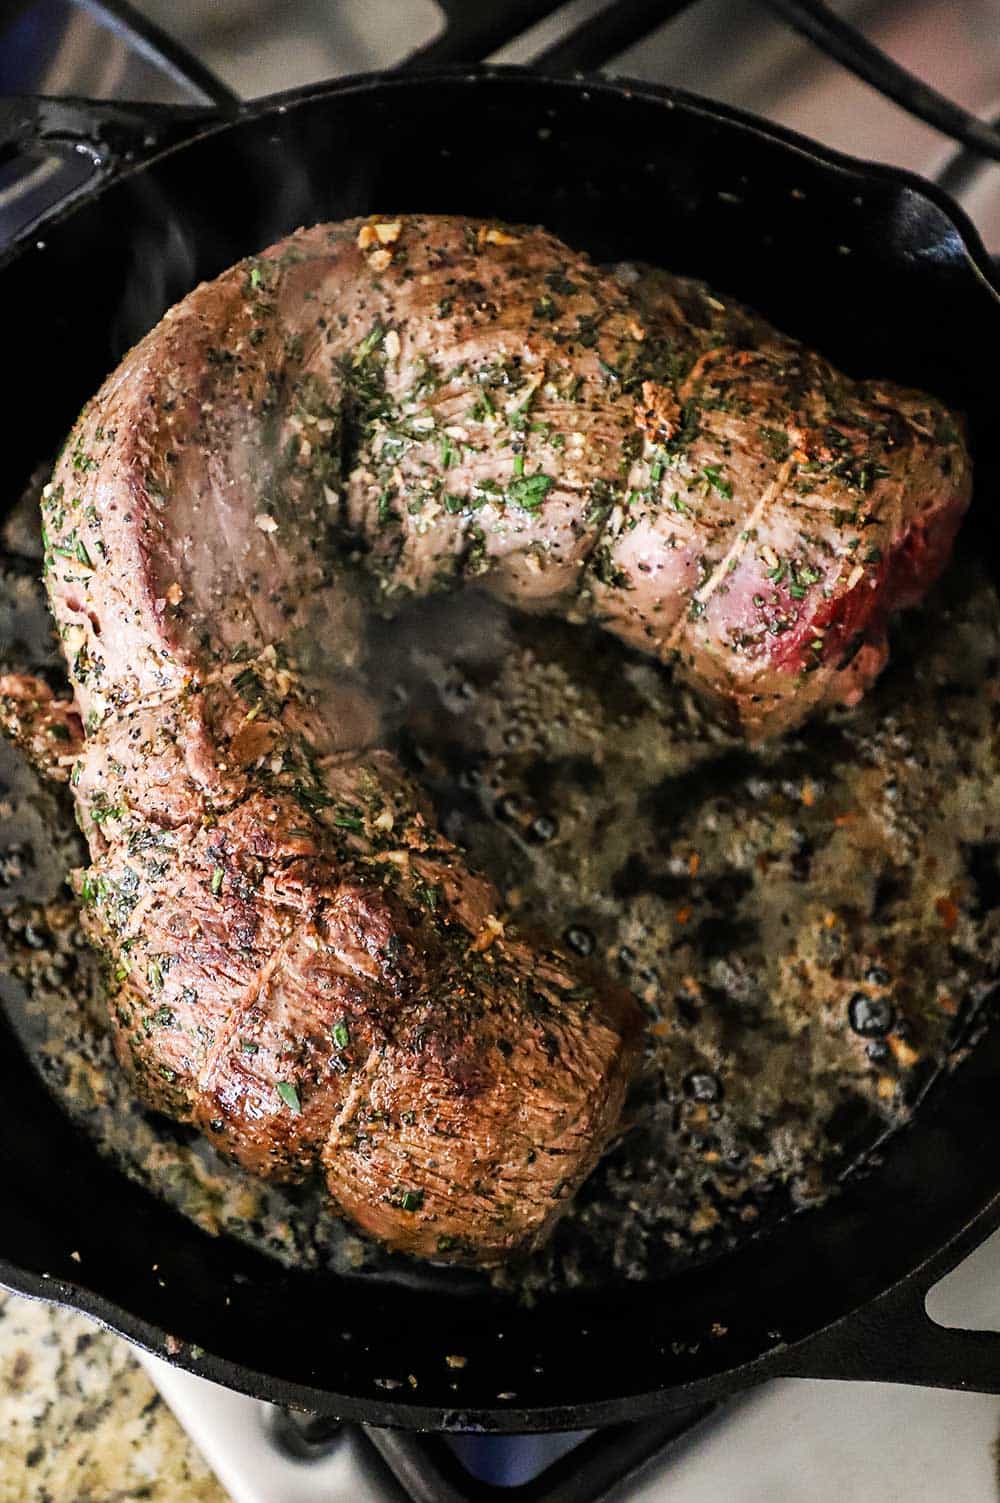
795, 509
301, 964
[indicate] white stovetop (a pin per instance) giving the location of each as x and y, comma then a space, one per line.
793, 1441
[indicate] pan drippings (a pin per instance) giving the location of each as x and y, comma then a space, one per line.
807, 925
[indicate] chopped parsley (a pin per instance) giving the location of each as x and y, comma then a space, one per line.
289, 1096
247, 684
101, 809
712, 474
529, 491
341, 1035
385, 510
483, 408
370, 343
349, 819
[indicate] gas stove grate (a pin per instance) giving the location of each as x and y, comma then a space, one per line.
473, 32
585, 1468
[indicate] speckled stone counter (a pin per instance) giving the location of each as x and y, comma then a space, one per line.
81, 1423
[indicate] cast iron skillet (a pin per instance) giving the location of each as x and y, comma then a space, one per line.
873, 267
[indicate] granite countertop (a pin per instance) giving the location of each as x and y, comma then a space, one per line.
80, 1421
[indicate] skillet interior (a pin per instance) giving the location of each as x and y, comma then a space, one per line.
862, 267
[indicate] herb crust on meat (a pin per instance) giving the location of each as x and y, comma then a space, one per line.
301, 964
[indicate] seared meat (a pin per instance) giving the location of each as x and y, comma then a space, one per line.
301, 963
791, 510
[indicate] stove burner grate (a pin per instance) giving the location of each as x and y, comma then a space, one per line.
581, 1467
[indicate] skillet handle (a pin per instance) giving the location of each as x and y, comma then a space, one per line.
97, 141
112, 136
895, 1340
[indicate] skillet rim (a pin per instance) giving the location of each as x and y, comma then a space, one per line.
507, 1417
620, 85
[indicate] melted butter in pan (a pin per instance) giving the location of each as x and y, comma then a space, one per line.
807, 924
